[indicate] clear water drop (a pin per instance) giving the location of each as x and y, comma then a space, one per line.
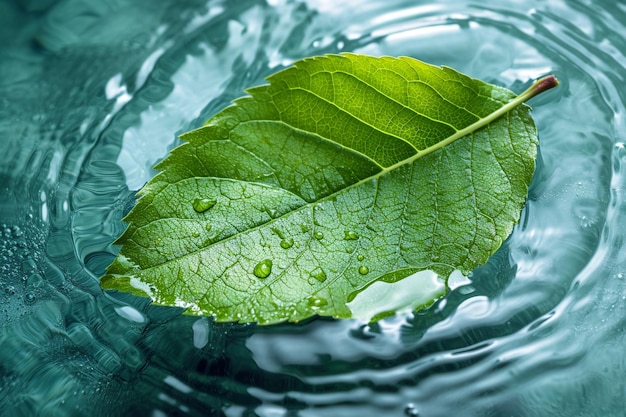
263, 269
360, 257
363, 270
286, 243
316, 302
208, 227
318, 235
278, 232
350, 235
203, 204
319, 274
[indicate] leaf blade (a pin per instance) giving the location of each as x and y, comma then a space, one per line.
348, 179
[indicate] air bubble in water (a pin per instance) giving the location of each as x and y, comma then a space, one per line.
30, 298
411, 410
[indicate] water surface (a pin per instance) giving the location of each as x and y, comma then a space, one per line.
92, 94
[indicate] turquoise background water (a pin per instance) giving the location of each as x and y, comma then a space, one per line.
93, 93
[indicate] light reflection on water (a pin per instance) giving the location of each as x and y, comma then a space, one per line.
90, 99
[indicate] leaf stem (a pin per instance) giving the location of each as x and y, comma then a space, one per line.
538, 87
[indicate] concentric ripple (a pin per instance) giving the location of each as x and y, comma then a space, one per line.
92, 94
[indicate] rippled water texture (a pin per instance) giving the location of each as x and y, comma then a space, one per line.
93, 93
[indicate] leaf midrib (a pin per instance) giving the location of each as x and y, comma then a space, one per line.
516, 101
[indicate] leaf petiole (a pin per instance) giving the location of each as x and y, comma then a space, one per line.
538, 87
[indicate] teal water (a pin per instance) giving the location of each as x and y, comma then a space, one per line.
93, 93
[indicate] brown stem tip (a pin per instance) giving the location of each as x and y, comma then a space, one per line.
543, 84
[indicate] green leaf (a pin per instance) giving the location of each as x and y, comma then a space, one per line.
340, 189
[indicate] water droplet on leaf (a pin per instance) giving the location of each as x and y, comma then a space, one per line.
360, 257
319, 274
318, 235
363, 270
203, 204
286, 243
350, 235
316, 302
208, 227
263, 269
278, 232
